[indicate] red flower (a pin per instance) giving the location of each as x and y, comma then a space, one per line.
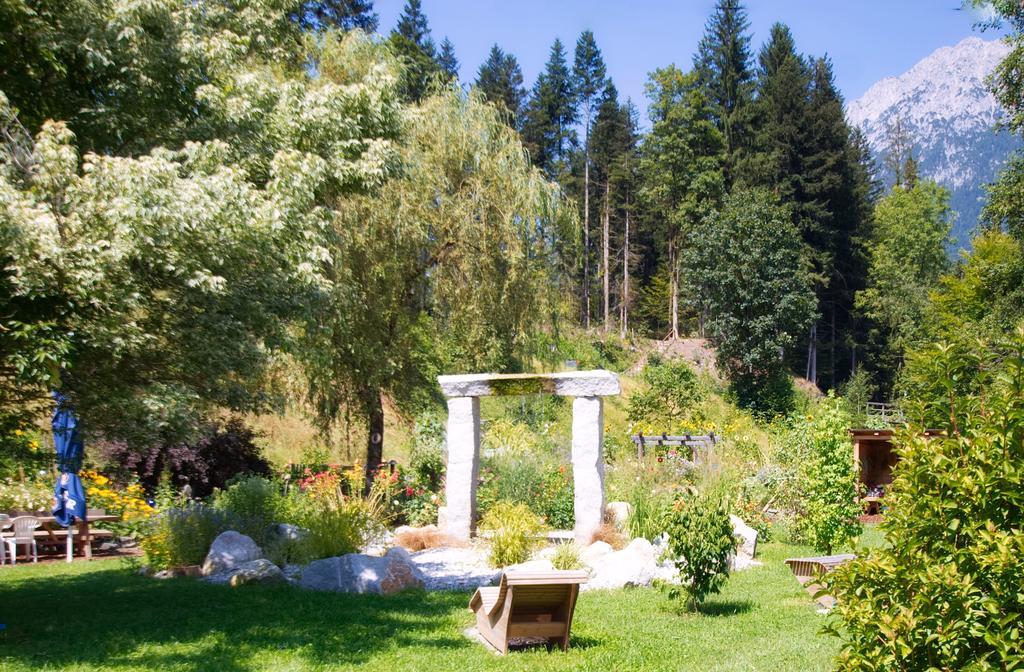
408, 491
661, 459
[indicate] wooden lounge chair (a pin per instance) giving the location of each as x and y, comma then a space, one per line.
528, 605
809, 570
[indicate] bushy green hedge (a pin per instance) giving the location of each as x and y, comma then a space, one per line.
946, 592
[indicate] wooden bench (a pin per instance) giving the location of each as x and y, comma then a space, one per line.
690, 441
808, 572
528, 606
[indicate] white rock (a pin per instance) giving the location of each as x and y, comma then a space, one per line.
357, 573
593, 553
746, 535
567, 384
260, 571
635, 565
229, 551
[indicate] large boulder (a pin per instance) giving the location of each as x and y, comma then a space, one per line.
358, 573
745, 535
229, 551
593, 554
635, 565
260, 571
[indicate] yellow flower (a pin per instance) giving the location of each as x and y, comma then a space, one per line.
18, 432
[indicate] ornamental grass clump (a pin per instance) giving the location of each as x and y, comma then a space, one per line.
945, 592
182, 536
701, 540
515, 532
567, 556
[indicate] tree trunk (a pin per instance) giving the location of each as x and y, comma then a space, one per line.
605, 256
673, 275
375, 432
586, 218
624, 322
832, 347
812, 355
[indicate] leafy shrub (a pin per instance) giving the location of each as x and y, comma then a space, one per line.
182, 536
766, 395
827, 480
945, 592
515, 529
21, 451
700, 537
426, 454
669, 400
566, 556
223, 452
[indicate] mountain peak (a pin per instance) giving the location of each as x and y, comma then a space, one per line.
944, 104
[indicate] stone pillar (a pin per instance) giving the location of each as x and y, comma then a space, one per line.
587, 465
463, 441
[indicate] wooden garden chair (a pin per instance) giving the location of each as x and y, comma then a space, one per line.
534, 605
808, 571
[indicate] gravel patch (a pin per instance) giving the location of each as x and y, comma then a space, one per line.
454, 569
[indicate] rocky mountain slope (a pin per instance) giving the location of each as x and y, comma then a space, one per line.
951, 118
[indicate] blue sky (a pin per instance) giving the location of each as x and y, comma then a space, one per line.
866, 39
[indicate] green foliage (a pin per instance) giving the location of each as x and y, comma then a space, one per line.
182, 536
827, 478
757, 288
681, 164
700, 536
668, 402
984, 295
908, 254
528, 479
256, 503
334, 525
566, 556
515, 529
944, 592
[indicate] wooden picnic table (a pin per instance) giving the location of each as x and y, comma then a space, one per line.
50, 529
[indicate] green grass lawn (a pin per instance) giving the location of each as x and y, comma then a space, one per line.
99, 615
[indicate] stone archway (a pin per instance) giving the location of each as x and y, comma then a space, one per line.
463, 439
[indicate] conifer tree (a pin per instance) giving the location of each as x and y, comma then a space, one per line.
588, 82
724, 70
412, 44
550, 115
500, 79
835, 186
447, 61
344, 14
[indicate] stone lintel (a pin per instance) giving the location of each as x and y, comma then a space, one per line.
597, 383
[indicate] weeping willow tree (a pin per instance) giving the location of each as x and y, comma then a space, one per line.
448, 267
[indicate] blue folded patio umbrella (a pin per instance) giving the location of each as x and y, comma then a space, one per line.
68, 494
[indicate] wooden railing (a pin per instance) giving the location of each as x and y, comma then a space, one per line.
683, 440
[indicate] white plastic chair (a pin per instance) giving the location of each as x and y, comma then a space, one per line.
24, 528
5, 522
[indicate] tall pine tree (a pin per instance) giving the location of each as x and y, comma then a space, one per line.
588, 75
412, 44
550, 115
500, 79
723, 64
447, 61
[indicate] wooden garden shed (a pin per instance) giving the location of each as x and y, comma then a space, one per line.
873, 452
